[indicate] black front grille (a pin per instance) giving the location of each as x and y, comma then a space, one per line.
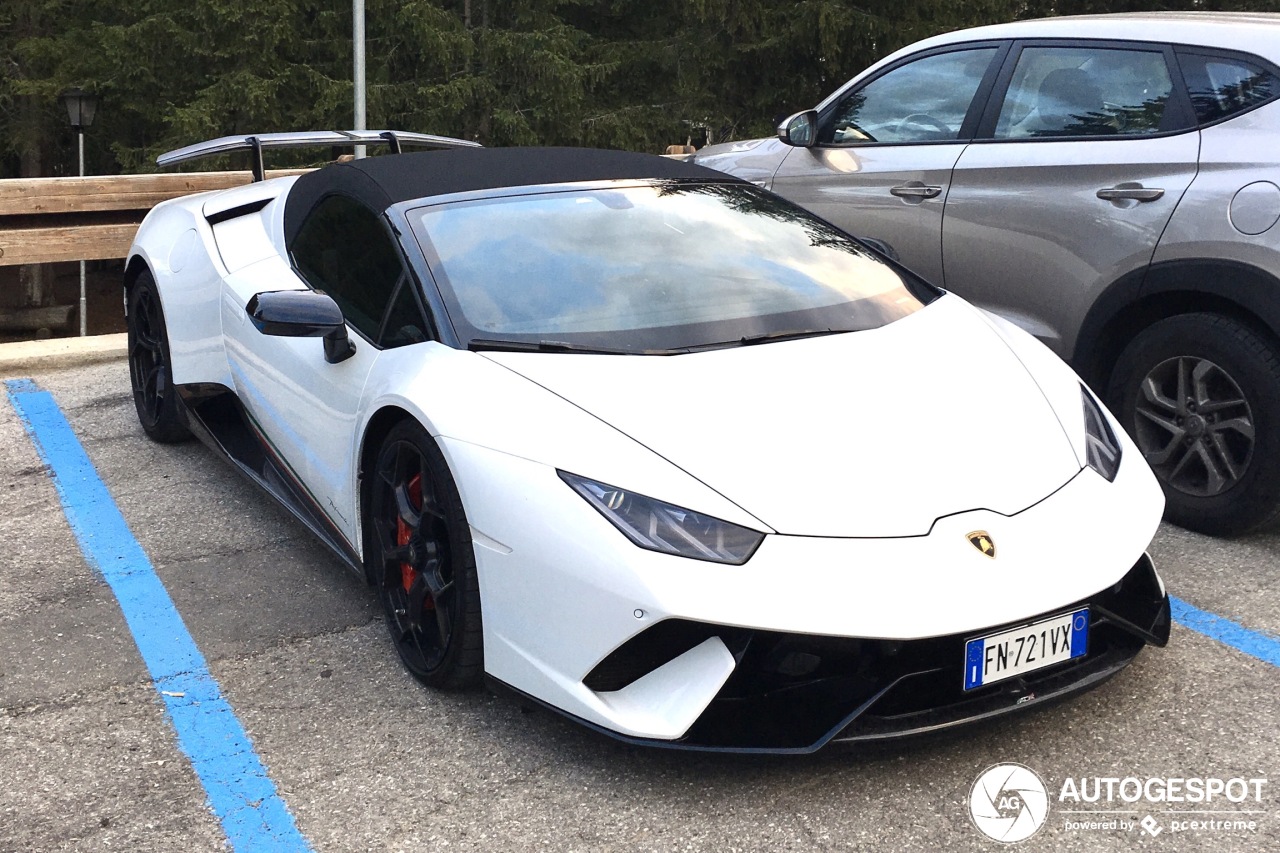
795, 692
922, 701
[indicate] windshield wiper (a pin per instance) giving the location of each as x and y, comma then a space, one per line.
477, 344
787, 335
770, 337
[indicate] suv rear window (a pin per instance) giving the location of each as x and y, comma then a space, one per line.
1224, 86
1064, 92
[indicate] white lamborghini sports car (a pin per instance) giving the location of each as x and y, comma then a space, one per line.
649, 445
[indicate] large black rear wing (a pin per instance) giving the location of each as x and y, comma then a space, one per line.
257, 143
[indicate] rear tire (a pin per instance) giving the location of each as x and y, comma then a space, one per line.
150, 366
1200, 395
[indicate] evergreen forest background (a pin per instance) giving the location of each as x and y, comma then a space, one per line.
635, 74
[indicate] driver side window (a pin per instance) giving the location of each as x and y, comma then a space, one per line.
343, 249
923, 101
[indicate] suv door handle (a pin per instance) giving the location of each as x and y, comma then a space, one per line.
1123, 192
915, 189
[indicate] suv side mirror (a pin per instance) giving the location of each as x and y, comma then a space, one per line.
303, 314
800, 130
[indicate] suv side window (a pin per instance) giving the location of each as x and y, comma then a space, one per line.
343, 249
1225, 86
1069, 92
925, 100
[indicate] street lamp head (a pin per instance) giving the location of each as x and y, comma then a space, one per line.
81, 107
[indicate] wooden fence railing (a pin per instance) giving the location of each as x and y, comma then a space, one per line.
44, 220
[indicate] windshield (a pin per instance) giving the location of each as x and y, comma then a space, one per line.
652, 268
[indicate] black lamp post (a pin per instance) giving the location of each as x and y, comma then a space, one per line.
81, 108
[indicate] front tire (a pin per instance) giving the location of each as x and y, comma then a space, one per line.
1200, 395
421, 558
150, 365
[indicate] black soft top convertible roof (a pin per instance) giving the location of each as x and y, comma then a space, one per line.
380, 182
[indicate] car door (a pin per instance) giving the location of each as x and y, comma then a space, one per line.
885, 148
306, 407
1083, 154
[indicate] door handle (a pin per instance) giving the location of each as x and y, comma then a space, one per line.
1130, 192
915, 189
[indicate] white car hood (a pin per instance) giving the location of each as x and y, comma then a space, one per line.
865, 434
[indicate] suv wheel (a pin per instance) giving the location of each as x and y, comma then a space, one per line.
1200, 395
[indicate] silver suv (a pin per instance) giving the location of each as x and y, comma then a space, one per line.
1109, 183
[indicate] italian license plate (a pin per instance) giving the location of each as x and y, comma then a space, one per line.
1026, 649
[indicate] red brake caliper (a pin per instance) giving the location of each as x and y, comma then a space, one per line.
407, 573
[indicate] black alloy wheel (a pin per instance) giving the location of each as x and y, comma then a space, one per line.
154, 397
423, 562
1200, 395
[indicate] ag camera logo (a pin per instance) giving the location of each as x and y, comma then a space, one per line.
1008, 803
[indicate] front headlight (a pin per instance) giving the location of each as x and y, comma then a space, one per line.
1102, 451
669, 529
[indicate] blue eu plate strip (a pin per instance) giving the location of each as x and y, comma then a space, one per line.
973, 663
240, 793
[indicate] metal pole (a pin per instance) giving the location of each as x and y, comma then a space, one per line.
357, 39
84, 320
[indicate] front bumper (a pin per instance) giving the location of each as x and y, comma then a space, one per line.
564, 591
794, 693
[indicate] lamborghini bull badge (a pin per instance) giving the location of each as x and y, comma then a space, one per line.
981, 540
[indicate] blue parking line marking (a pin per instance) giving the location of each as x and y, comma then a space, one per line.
239, 791
1253, 643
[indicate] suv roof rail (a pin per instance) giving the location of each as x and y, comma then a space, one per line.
257, 142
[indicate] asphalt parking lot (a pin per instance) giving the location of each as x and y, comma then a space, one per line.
364, 758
